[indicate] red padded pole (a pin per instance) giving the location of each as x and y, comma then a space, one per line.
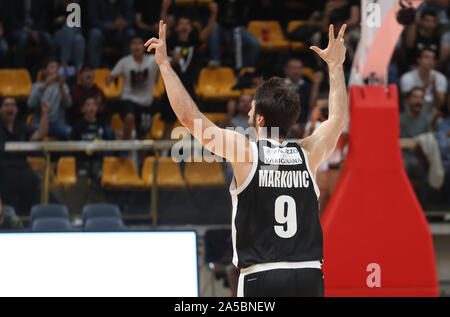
377, 241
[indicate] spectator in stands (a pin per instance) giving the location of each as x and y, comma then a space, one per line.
148, 15
7, 220
237, 112
182, 46
412, 123
140, 74
293, 71
425, 34
12, 130
338, 12
28, 22
231, 29
440, 7
85, 87
445, 53
54, 91
443, 139
433, 82
91, 128
111, 21
16, 176
70, 40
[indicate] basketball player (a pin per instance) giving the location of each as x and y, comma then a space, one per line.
277, 237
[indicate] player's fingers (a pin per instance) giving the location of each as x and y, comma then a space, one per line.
316, 49
151, 41
331, 34
152, 46
163, 35
161, 29
342, 31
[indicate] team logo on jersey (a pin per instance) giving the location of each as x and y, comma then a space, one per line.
282, 156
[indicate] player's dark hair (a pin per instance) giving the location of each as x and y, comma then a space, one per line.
278, 104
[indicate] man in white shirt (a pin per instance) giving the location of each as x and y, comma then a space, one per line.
140, 73
425, 76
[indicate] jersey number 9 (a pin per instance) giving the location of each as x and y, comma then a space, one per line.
287, 221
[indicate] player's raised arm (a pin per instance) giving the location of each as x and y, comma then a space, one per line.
215, 139
322, 142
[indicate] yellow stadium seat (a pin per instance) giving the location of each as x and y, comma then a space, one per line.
295, 24
168, 173
120, 173
157, 129
296, 45
36, 163
116, 123
215, 83
246, 70
114, 89
15, 82
66, 174
275, 41
159, 89
204, 174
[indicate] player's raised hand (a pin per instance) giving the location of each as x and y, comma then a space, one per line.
334, 54
159, 45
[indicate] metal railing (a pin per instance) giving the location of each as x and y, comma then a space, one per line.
47, 148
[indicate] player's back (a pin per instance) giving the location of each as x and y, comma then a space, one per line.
275, 211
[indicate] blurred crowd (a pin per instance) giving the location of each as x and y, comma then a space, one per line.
66, 104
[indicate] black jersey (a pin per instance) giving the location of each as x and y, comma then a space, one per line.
275, 211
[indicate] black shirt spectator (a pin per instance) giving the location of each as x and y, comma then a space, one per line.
90, 128
186, 55
16, 176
